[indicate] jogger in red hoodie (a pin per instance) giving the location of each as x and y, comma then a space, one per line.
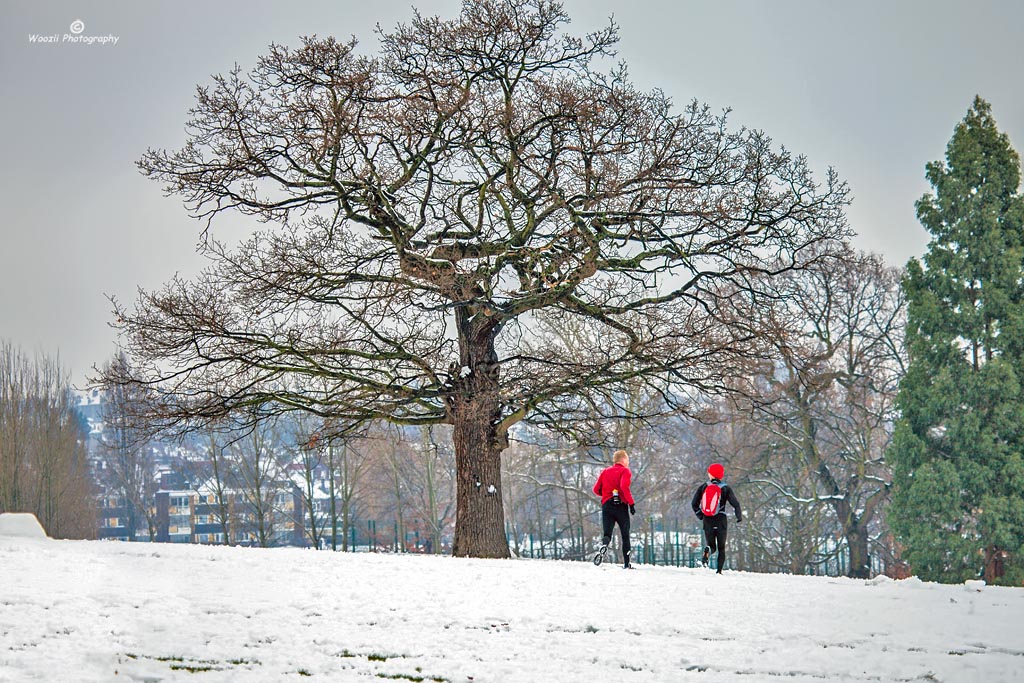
616, 504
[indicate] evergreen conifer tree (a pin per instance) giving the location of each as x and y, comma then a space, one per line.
958, 487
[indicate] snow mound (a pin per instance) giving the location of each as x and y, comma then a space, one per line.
21, 524
973, 585
913, 582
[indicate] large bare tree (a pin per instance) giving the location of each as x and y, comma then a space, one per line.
426, 205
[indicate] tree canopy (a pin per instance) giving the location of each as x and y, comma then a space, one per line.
479, 224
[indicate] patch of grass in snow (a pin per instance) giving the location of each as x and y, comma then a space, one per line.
408, 677
303, 672
589, 628
193, 668
372, 657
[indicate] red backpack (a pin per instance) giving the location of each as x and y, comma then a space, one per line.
711, 500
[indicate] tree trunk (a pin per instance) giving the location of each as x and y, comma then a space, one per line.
480, 517
860, 563
396, 480
131, 516
430, 463
995, 568
332, 477
475, 412
853, 527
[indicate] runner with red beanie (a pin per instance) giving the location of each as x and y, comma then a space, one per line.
616, 505
709, 505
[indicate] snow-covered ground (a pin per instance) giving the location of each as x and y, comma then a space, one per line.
95, 611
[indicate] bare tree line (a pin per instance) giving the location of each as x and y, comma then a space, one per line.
247, 474
43, 458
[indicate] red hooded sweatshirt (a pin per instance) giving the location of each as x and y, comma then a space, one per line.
618, 477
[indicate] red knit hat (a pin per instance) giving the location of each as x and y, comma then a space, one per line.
716, 471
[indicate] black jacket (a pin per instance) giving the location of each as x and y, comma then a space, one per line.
727, 495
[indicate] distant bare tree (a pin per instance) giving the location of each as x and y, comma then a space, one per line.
311, 461
43, 461
219, 483
827, 399
431, 204
394, 450
258, 475
125, 446
212, 469
348, 467
430, 479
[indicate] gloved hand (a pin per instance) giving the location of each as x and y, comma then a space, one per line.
739, 520
700, 515
632, 509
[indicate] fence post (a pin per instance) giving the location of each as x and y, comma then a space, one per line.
676, 539
654, 548
666, 546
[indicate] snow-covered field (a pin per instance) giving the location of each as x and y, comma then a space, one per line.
94, 611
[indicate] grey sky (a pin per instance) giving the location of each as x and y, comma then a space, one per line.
873, 89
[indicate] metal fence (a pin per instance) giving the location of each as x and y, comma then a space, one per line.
675, 543
672, 543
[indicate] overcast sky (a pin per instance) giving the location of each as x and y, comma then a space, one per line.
872, 89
